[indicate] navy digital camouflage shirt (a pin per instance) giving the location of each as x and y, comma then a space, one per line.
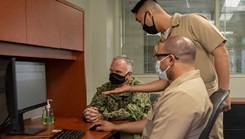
124, 106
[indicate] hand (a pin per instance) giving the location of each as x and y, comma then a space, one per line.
105, 126
228, 104
92, 114
118, 90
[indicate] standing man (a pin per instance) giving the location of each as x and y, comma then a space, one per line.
212, 58
183, 109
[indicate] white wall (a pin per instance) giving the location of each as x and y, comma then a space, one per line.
101, 40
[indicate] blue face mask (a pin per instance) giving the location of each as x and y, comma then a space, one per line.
161, 74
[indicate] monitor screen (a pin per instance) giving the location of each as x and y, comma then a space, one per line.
31, 84
25, 91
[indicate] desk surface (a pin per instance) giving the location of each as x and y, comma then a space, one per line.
61, 123
238, 100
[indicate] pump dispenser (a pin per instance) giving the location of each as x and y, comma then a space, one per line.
48, 114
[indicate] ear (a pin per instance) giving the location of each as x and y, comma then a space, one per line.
171, 59
149, 12
129, 74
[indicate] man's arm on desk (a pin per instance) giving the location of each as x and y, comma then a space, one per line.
129, 127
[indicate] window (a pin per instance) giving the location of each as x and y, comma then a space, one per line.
232, 17
139, 46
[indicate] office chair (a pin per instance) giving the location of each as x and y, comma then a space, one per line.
217, 98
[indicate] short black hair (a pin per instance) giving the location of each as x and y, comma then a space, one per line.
139, 5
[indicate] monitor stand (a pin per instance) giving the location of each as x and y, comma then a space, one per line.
27, 131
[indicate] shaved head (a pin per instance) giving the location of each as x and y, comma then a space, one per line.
145, 5
180, 46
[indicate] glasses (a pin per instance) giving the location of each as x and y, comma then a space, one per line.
156, 56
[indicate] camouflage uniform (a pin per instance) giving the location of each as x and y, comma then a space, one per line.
124, 106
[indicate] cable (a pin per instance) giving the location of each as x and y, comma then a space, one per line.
5, 122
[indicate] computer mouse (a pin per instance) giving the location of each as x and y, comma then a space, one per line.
94, 127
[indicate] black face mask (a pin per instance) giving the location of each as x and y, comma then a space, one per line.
117, 79
150, 29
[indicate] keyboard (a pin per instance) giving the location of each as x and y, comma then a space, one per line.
69, 134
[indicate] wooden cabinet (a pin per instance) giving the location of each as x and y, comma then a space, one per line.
43, 23
53, 32
13, 21
65, 75
46, 23
66, 86
71, 27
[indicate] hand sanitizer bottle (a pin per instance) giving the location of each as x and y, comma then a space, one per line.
48, 114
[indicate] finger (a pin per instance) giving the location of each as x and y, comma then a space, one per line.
106, 92
86, 114
227, 108
91, 110
95, 108
96, 123
93, 114
95, 111
92, 118
87, 110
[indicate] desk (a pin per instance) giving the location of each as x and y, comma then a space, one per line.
60, 123
237, 100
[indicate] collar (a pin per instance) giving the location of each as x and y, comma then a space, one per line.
175, 22
165, 34
183, 78
176, 19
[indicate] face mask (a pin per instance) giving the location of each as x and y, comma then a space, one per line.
150, 29
161, 74
117, 79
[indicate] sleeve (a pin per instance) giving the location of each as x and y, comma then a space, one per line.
135, 110
99, 100
205, 32
140, 106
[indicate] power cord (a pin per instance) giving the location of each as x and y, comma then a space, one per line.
5, 123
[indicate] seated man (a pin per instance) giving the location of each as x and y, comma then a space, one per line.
125, 106
183, 109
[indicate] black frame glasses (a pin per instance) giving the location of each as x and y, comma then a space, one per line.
158, 55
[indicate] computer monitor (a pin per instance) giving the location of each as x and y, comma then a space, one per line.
25, 91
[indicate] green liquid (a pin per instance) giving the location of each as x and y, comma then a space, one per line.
48, 120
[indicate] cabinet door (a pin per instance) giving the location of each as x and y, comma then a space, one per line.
13, 21
42, 23
71, 27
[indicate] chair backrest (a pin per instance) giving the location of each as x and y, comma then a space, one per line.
218, 100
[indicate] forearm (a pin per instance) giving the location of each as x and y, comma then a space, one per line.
131, 127
222, 66
121, 114
131, 112
155, 86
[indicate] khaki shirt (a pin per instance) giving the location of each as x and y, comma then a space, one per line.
181, 111
205, 36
